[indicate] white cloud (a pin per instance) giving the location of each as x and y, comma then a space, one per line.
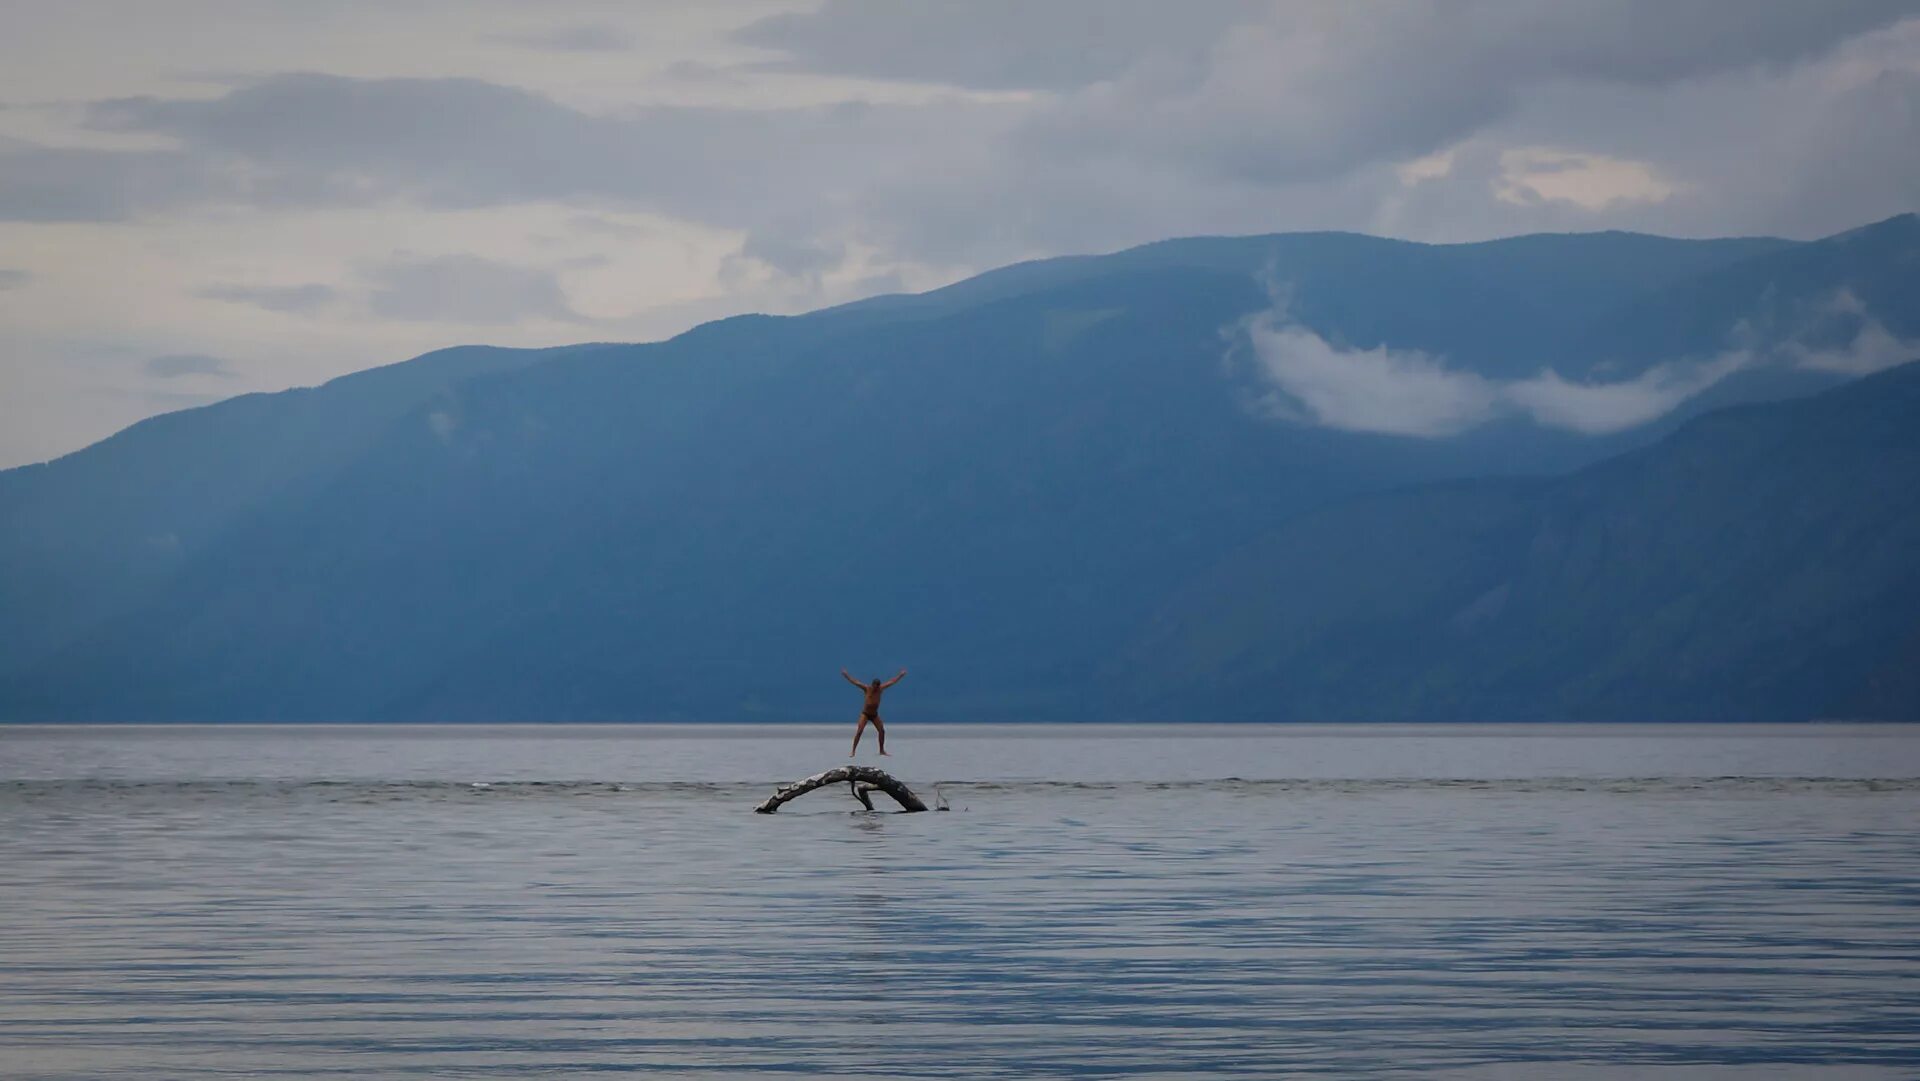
1873, 348
1603, 408
1589, 181
1392, 391
1841, 336
1413, 393
1434, 166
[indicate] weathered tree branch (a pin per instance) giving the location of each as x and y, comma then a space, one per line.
862, 779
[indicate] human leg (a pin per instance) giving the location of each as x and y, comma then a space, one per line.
859, 728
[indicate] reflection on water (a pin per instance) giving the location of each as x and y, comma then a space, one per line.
1521, 903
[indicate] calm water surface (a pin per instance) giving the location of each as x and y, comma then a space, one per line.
1512, 902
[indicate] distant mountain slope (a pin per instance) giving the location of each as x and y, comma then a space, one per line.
1818, 296
86, 536
1000, 482
1500, 307
1761, 564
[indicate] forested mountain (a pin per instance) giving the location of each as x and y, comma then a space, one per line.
1047, 489
1762, 563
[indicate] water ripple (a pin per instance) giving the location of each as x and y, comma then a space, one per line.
1699, 926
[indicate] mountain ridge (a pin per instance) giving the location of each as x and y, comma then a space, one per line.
1011, 482
1859, 436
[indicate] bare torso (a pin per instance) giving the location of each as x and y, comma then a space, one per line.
870, 708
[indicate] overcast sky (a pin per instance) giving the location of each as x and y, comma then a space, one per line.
200, 198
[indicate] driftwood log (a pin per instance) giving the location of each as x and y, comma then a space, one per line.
864, 780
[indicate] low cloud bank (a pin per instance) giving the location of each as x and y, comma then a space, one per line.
1845, 338
1393, 391
1600, 408
1413, 393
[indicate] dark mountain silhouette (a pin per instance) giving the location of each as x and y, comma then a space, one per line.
1010, 484
1763, 563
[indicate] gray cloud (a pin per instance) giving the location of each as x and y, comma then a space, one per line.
179, 399
1103, 123
424, 138
301, 299
782, 252
1238, 118
174, 365
464, 289
1069, 44
324, 139
14, 279
48, 184
1314, 90
162, 400
1805, 152
1297, 119
578, 38
992, 44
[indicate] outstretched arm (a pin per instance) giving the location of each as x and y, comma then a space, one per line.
850, 679
894, 680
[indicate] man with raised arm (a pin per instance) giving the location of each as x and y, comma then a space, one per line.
870, 711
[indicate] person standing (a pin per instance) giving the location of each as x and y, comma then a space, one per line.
870, 709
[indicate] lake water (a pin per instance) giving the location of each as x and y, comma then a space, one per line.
1507, 902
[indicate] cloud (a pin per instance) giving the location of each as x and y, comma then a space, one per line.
1603, 408
1070, 44
1408, 392
1872, 348
917, 143
14, 279
300, 299
324, 140
1435, 166
1391, 391
801, 259
579, 38
1311, 90
991, 44
1310, 116
180, 399
50, 184
464, 289
1801, 149
1589, 181
1133, 121
325, 137
174, 365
